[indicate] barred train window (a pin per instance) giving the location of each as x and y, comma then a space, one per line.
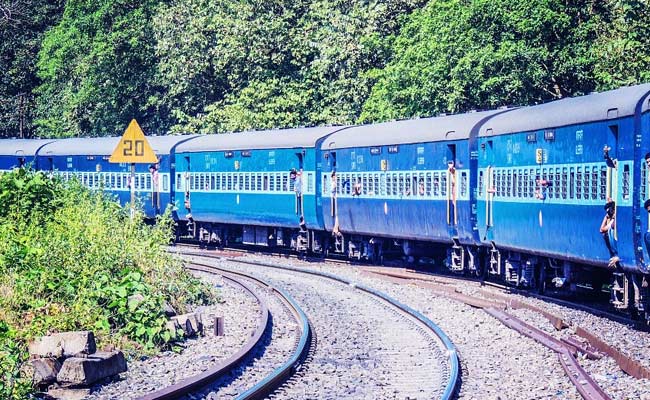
428, 183
626, 182
594, 183
520, 186
565, 183
310, 182
527, 183
436, 184
603, 182
463, 184
443, 184
558, 183
579, 183
480, 183
499, 183
389, 184
395, 188
644, 181
572, 184
285, 178
382, 184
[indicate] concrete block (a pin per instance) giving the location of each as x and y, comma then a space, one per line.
191, 323
65, 344
85, 371
68, 394
44, 370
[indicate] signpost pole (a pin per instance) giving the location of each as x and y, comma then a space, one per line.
132, 190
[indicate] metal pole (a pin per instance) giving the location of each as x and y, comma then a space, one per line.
132, 190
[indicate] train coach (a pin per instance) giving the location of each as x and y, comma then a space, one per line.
400, 186
16, 153
256, 188
547, 177
87, 159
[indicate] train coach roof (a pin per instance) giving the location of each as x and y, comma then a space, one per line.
104, 146
251, 140
591, 108
449, 127
28, 147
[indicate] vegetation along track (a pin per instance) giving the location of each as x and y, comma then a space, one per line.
370, 345
229, 370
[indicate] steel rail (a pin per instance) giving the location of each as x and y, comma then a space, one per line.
452, 384
196, 382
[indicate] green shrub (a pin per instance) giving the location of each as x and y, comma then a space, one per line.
69, 260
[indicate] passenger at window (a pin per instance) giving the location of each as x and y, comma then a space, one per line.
607, 228
421, 187
357, 189
542, 187
333, 183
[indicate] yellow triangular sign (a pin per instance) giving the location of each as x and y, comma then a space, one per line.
133, 147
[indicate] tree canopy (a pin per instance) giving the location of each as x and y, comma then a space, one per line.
80, 68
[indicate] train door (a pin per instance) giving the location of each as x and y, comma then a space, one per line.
299, 185
187, 179
490, 189
452, 187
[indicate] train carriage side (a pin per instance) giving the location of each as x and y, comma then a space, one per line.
20, 152
547, 173
403, 183
251, 187
87, 160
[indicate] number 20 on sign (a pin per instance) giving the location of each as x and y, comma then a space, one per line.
133, 147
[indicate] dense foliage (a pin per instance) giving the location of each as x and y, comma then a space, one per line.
211, 66
70, 259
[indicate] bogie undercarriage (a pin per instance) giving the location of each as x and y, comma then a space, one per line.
627, 291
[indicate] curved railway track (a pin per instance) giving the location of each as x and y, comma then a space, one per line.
448, 381
270, 382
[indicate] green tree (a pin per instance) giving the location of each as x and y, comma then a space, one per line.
96, 67
22, 26
456, 55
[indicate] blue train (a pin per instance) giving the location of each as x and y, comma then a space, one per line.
551, 196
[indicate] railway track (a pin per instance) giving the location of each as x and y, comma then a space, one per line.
369, 342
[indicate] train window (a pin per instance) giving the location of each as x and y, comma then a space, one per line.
520, 184
375, 180
516, 190
389, 184
366, 186
428, 184
310, 182
201, 185
564, 183
572, 183
594, 182
148, 181
603, 182
579, 183
415, 191
382, 184
237, 181
585, 183
272, 179
443, 184
644, 181
401, 187
480, 183
626, 182
228, 182
509, 184
258, 182
463, 184
497, 175
527, 183
266, 182
165, 183
436, 184
285, 182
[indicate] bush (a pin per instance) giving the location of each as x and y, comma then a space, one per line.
70, 259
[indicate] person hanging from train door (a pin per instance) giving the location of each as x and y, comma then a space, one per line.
155, 187
451, 197
607, 228
334, 189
